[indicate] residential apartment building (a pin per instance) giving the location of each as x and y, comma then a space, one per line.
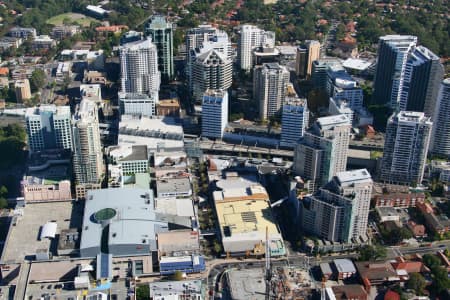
269, 88
22, 32
342, 86
137, 104
306, 55
139, 68
294, 121
22, 90
48, 127
339, 211
212, 69
423, 76
323, 150
87, 149
201, 39
214, 113
406, 147
319, 69
440, 144
63, 31
161, 32
250, 38
393, 53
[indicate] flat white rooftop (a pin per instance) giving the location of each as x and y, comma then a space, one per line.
361, 175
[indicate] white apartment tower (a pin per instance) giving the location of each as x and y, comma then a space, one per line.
405, 147
211, 69
139, 68
214, 113
269, 88
48, 127
322, 151
294, 121
441, 121
250, 38
87, 150
339, 211
200, 40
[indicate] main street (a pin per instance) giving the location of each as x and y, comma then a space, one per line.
217, 267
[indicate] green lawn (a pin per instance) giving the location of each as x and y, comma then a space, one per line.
81, 19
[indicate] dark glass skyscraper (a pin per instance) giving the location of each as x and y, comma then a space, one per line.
393, 51
161, 32
423, 75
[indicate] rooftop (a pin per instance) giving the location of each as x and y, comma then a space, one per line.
138, 152
173, 185
354, 176
344, 265
356, 64
58, 110
336, 120
135, 219
173, 289
247, 284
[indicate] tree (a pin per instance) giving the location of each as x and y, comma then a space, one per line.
416, 282
3, 191
37, 80
371, 253
143, 292
431, 261
3, 203
177, 276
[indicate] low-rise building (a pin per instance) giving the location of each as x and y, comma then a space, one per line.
345, 268
387, 213
173, 187
22, 32
22, 89
186, 264
396, 195
347, 292
43, 42
91, 92
35, 189
94, 60
133, 159
7, 42
64, 70
244, 217
418, 230
64, 31
168, 107
376, 273
440, 224
125, 220
186, 289
178, 241
137, 104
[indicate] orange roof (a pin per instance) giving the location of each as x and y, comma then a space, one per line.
391, 295
114, 28
409, 266
4, 71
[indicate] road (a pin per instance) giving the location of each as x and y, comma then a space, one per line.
215, 268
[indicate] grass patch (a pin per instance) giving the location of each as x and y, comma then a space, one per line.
72, 18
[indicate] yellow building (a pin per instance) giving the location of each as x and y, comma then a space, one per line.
244, 215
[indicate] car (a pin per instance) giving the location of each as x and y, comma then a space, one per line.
49, 287
442, 246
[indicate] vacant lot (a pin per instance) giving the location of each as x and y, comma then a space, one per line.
70, 18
